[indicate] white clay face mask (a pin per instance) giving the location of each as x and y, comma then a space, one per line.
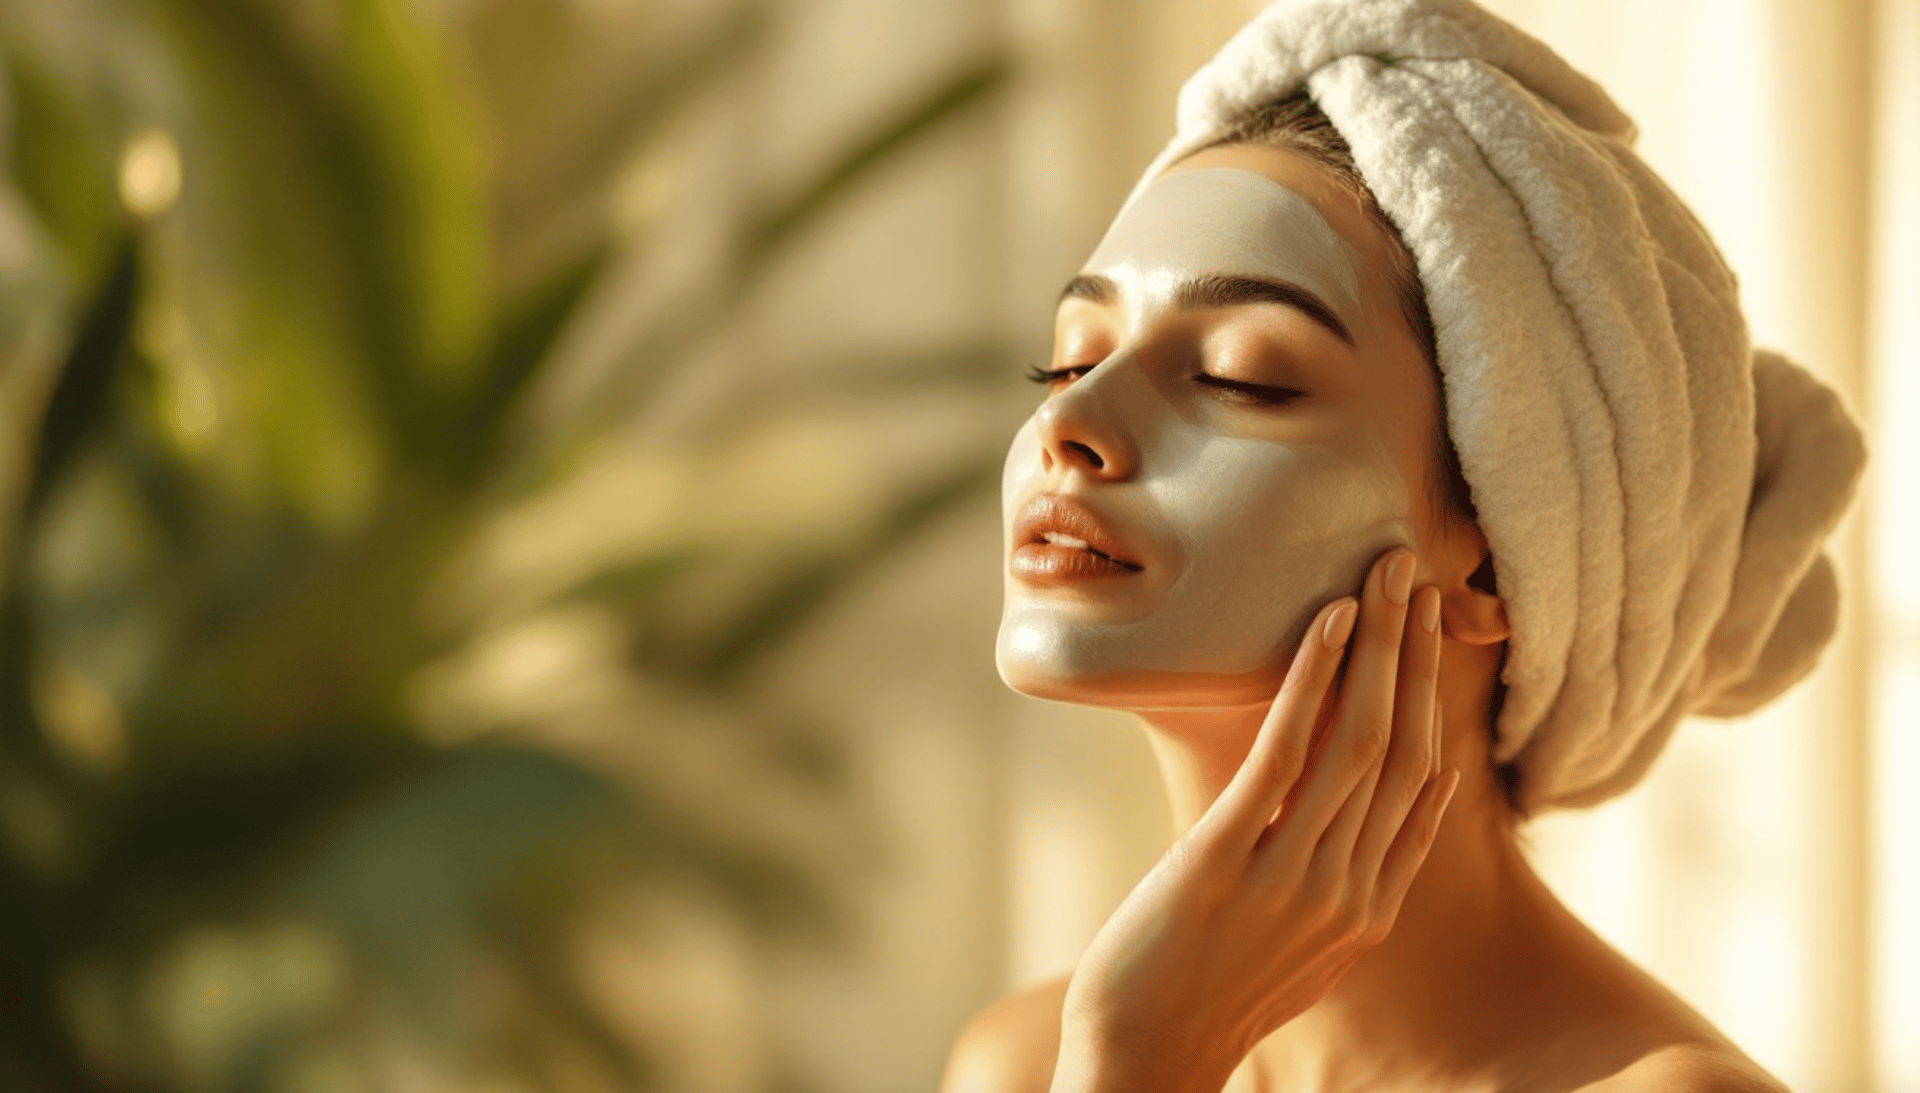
1226, 222
1238, 539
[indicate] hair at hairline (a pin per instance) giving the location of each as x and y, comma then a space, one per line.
1296, 123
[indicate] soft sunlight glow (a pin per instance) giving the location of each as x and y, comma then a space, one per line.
150, 173
188, 404
1894, 527
643, 192
81, 718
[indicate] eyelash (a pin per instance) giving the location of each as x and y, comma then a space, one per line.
1045, 376
1260, 392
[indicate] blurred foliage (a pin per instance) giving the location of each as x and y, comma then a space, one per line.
285, 288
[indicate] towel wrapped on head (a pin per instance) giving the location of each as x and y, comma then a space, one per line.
1655, 494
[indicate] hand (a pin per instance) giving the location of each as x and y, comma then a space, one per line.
1295, 871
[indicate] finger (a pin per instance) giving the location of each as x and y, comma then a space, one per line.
1335, 852
1280, 749
1373, 812
1362, 727
1411, 757
1410, 846
1439, 735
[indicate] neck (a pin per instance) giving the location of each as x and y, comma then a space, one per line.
1475, 925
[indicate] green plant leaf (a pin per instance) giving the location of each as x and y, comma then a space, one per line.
795, 598
356, 192
409, 873
64, 169
700, 312
329, 267
284, 183
420, 125
633, 582
540, 960
563, 193
205, 828
522, 344
83, 395
780, 220
976, 364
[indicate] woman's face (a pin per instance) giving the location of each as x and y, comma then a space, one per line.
1237, 423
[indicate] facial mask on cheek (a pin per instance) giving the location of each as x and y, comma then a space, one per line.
1255, 535
1274, 532
1268, 534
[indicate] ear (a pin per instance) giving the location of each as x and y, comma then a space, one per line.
1472, 610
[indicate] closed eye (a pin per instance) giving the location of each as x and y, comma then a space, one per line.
1258, 391
1057, 375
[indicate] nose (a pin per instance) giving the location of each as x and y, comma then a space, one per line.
1081, 427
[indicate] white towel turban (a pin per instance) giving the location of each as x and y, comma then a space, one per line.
1655, 494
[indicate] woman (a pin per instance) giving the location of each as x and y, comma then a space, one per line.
1398, 311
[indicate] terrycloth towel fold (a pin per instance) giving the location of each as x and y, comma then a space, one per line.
1656, 535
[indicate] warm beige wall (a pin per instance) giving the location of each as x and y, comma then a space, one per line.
1893, 526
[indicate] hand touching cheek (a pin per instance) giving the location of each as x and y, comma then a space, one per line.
1296, 870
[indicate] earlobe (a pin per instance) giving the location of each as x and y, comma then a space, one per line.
1474, 612
1474, 617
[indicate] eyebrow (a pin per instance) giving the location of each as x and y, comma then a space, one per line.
1092, 288
1219, 291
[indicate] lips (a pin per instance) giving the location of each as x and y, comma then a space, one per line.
1058, 539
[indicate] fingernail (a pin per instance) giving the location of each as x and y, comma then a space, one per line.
1399, 582
1452, 775
1340, 624
1429, 608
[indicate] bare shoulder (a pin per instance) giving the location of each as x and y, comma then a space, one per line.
1009, 1047
1690, 1067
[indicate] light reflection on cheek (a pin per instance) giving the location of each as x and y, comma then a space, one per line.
1249, 535
1022, 467
1273, 531
1263, 533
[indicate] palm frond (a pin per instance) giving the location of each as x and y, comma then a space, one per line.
556, 204
780, 220
63, 168
350, 265
83, 394
698, 313
797, 596
523, 342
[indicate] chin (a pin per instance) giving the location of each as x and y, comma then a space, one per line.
1067, 672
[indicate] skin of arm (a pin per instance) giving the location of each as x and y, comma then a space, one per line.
1010, 1046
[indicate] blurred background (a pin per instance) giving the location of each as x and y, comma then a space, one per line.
499, 539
